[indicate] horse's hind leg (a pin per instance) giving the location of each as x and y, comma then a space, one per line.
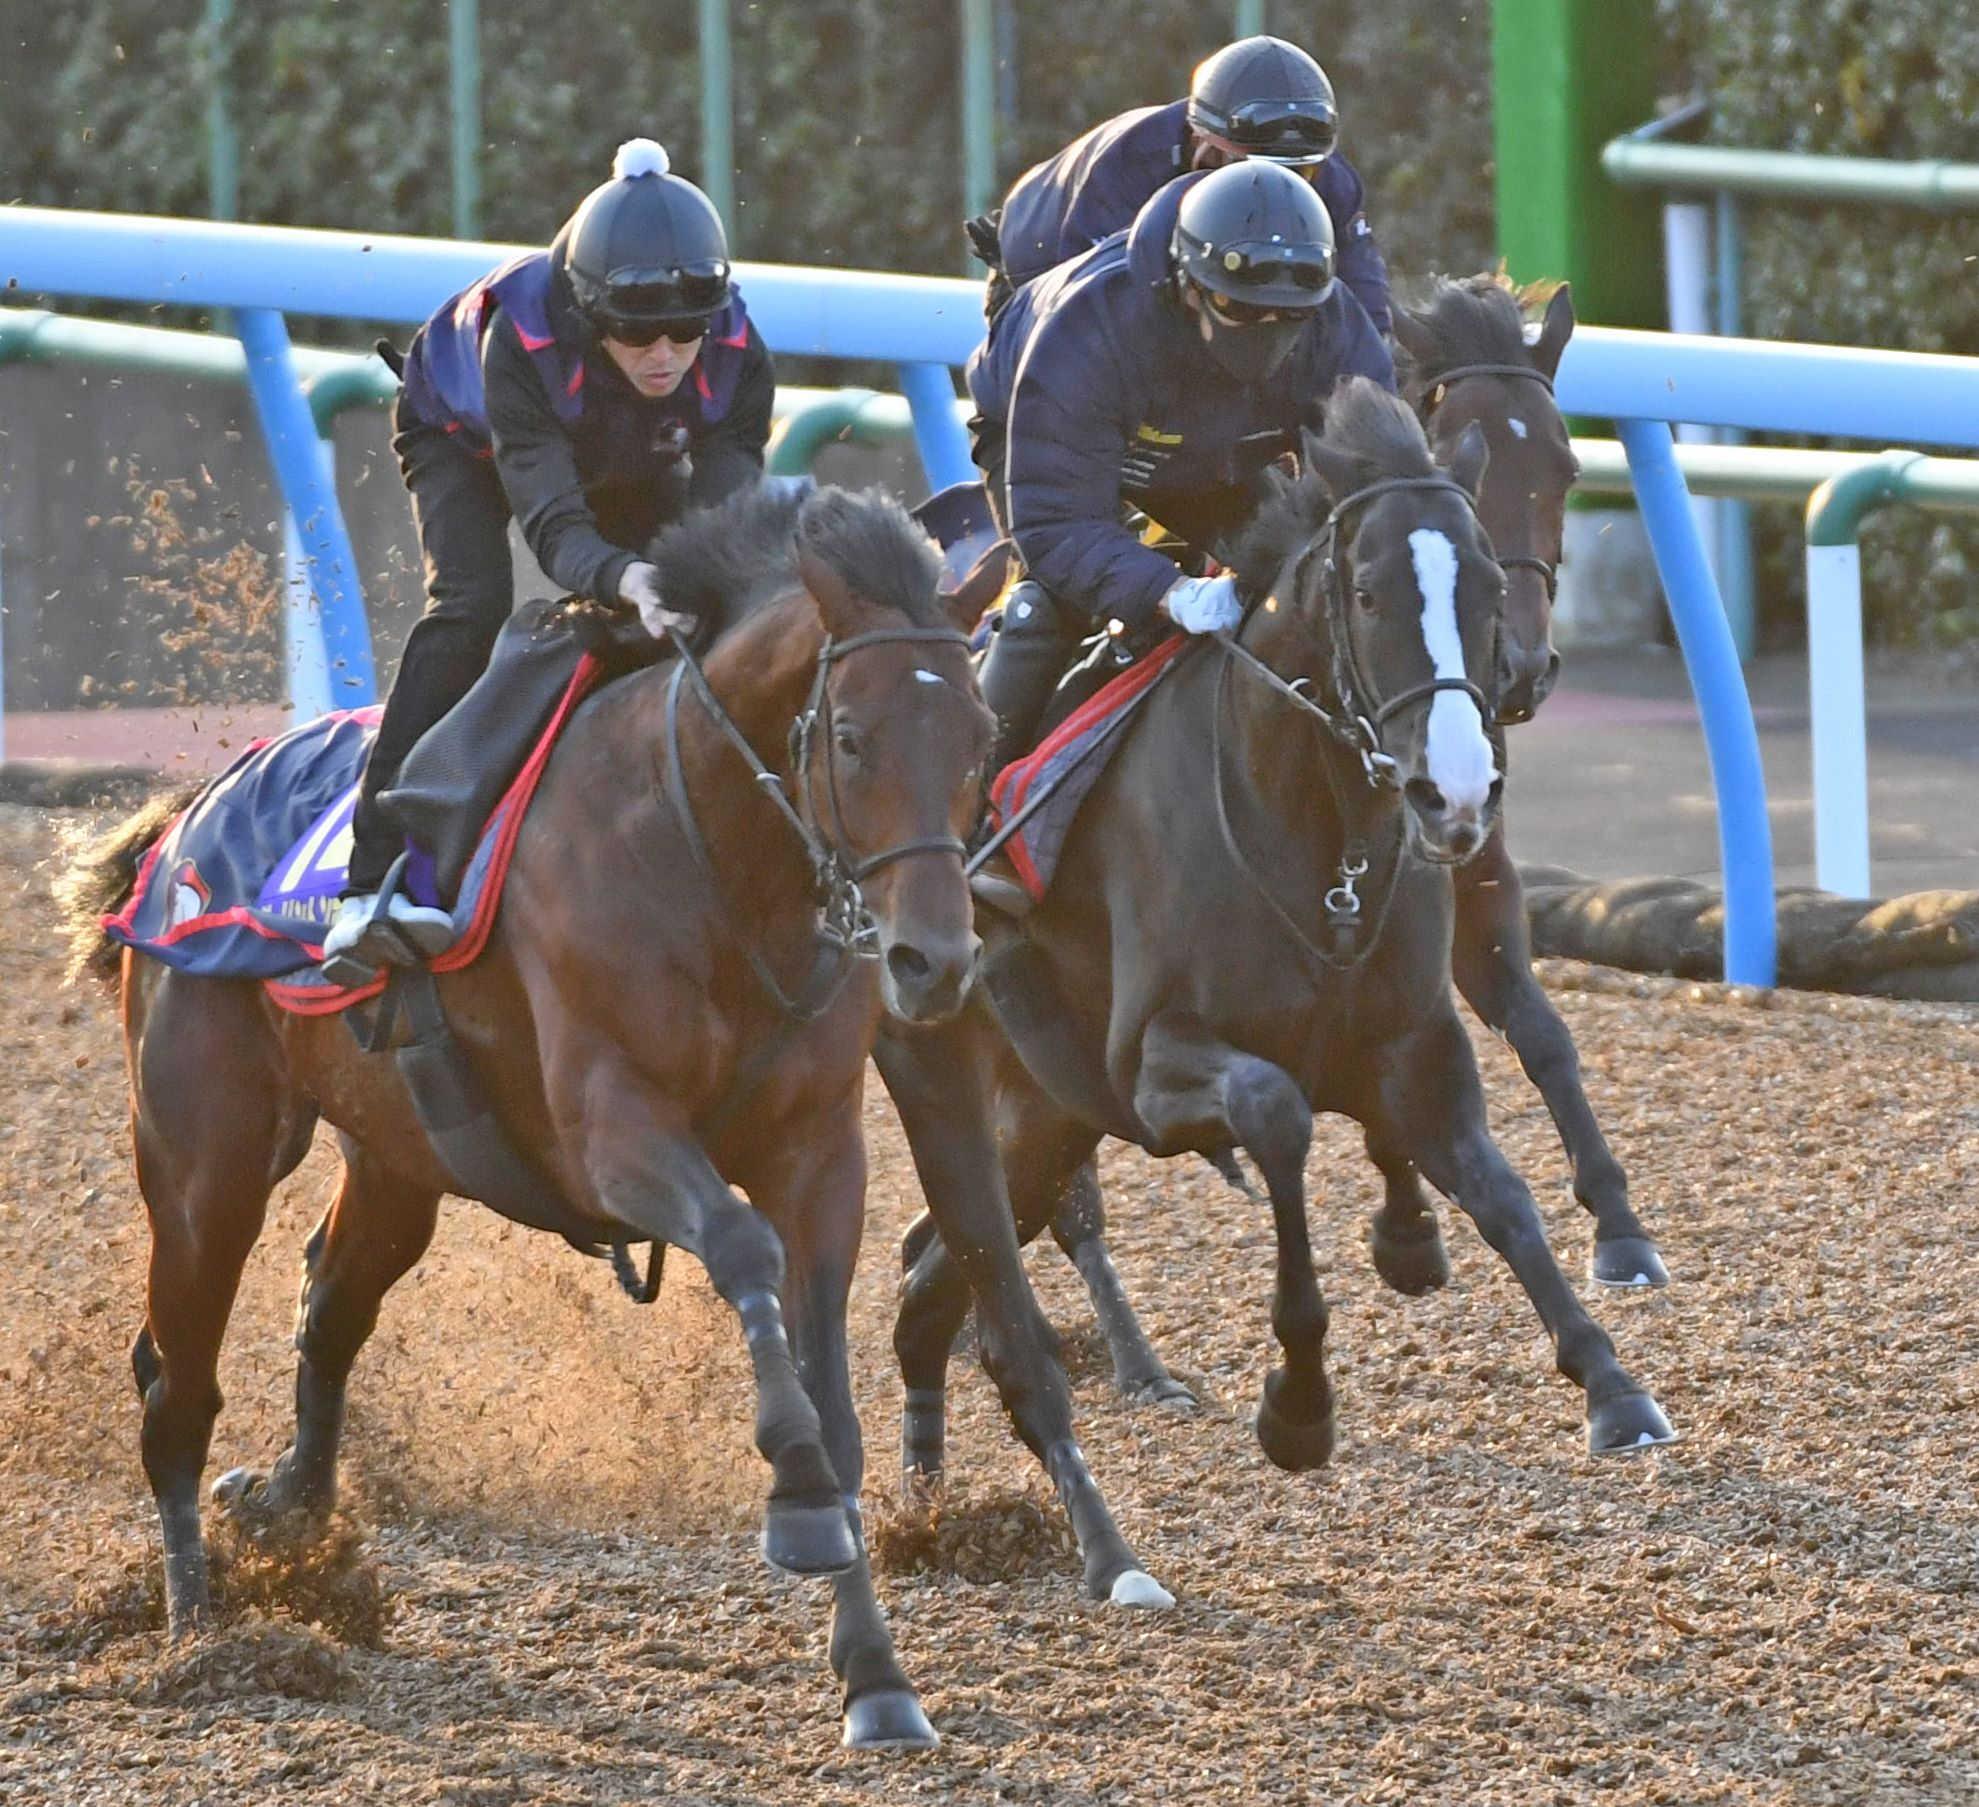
212, 1123
1078, 1225
1194, 1092
378, 1227
1491, 960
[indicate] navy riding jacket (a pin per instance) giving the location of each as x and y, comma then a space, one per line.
1096, 185
589, 466
1099, 389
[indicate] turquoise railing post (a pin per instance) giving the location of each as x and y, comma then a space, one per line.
222, 147
1745, 836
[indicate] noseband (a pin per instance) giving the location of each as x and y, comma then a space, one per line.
845, 925
1518, 561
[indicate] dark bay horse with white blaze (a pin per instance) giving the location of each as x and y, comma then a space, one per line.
1471, 360
1251, 922
632, 1019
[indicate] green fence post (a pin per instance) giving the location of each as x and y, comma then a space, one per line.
978, 23
1567, 75
464, 58
717, 172
222, 148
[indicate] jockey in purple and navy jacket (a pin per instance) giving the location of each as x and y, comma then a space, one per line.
592, 392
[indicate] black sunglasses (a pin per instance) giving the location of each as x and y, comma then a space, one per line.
641, 333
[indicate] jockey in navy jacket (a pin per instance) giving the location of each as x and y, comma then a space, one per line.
1095, 390
1096, 185
510, 371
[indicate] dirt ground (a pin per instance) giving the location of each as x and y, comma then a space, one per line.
548, 1593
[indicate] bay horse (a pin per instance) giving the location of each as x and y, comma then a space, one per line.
1470, 360
1252, 921
657, 1019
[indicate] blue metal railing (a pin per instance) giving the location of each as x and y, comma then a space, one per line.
927, 324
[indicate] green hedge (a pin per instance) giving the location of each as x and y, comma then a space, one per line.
846, 134
1862, 78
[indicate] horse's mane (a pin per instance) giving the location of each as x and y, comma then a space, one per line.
726, 562
1472, 320
1381, 436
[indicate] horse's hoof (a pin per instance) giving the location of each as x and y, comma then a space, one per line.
237, 1486
1162, 1390
1410, 1265
1621, 1426
888, 1719
1137, 1588
1629, 1261
809, 1540
922, 1486
1294, 1444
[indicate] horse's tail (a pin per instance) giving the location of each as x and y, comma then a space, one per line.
100, 880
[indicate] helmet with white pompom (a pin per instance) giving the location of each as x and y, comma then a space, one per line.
646, 249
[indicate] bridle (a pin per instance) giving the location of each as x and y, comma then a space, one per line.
1517, 561
846, 930
1358, 714
1355, 719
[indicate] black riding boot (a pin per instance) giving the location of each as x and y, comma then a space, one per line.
1026, 660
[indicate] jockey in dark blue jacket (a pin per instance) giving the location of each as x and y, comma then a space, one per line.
593, 392
1161, 372
1259, 97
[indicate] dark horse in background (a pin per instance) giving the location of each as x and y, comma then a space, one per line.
1252, 922
1470, 361
656, 1019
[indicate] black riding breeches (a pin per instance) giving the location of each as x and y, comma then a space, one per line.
462, 517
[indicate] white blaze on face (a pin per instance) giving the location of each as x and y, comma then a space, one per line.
1517, 425
1460, 762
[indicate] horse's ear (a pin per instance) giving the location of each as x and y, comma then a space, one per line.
1339, 471
1468, 457
1555, 330
1413, 335
829, 590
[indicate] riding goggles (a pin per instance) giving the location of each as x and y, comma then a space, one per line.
669, 294
1299, 275
1278, 130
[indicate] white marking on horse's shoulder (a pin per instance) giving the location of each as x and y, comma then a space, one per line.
929, 677
1517, 425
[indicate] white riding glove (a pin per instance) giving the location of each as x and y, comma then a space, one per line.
639, 588
1204, 605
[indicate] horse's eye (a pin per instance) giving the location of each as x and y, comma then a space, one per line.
1364, 597
845, 741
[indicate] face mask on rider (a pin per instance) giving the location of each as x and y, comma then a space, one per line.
1249, 352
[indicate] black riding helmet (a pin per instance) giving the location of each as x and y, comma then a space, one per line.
1256, 245
646, 250
1269, 99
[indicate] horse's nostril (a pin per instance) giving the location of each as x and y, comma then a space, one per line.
908, 965
1424, 798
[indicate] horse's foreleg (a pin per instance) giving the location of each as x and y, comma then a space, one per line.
1078, 1226
940, 1080
1492, 962
1192, 1092
821, 1204
1435, 1105
645, 1170
370, 1238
